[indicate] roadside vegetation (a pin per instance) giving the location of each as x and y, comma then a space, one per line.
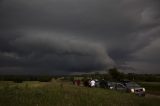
61, 93
111, 74
46, 90
151, 87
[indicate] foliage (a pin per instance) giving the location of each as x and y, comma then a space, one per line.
54, 94
21, 78
151, 87
115, 74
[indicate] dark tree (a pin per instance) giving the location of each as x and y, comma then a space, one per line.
115, 74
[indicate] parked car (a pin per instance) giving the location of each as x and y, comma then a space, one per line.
124, 82
111, 85
103, 83
120, 87
130, 87
135, 88
107, 84
97, 83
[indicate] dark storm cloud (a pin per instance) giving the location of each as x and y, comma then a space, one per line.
64, 36
39, 52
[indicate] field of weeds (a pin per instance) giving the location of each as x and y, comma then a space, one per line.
58, 93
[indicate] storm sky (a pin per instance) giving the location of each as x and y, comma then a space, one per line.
69, 36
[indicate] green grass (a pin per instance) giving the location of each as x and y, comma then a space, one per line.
58, 93
151, 87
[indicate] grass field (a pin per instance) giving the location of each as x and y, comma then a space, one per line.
152, 87
57, 93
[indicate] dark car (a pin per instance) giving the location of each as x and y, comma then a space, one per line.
107, 84
103, 83
120, 87
130, 87
124, 82
97, 83
135, 88
111, 85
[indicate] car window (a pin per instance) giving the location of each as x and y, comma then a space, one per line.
132, 84
120, 86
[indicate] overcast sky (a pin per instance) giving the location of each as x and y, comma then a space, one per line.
69, 36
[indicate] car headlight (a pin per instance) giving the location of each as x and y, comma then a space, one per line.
132, 90
144, 89
111, 87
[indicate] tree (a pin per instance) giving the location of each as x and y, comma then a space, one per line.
115, 74
131, 76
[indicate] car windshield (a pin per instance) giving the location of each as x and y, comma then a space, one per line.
132, 84
111, 83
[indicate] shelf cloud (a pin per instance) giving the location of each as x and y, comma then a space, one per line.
68, 36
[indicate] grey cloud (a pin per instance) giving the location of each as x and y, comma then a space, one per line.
49, 52
143, 67
147, 59
76, 35
149, 53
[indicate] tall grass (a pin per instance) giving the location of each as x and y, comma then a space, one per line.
64, 94
151, 87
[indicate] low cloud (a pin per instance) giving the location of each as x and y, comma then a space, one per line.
49, 52
59, 36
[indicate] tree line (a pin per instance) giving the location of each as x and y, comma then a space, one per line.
113, 74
